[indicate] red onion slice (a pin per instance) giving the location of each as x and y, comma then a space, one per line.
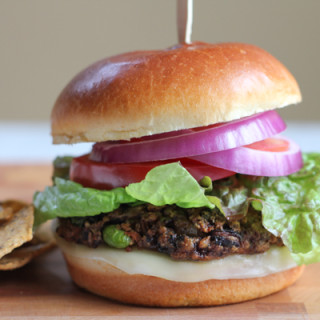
255, 162
190, 142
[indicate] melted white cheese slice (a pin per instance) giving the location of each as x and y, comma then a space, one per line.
160, 265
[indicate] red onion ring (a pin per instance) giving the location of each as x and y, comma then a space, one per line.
190, 142
255, 162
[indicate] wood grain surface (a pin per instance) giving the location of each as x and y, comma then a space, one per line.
43, 289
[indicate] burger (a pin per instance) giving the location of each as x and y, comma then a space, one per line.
189, 196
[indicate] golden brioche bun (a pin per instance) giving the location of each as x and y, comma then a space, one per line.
105, 280
148, 92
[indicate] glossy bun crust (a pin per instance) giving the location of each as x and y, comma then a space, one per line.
147, 92
105, 280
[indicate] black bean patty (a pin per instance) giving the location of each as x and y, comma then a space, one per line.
184, 234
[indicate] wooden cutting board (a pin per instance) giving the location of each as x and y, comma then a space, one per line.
43, 289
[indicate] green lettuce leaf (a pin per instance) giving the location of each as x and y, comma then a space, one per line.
70, 199
170, 184
291, 209
234, 199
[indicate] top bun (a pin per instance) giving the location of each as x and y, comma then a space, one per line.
147, 92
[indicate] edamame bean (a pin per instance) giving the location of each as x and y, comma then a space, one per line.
115, 237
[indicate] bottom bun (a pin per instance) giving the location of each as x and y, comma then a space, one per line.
105, 280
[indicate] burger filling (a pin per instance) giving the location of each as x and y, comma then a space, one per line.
184, 234
169, 211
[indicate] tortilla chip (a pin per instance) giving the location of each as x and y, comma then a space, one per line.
18, 230
21, 256
11, 263
8, 208
17, 244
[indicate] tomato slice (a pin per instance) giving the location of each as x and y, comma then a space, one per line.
107, 176
270, 144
